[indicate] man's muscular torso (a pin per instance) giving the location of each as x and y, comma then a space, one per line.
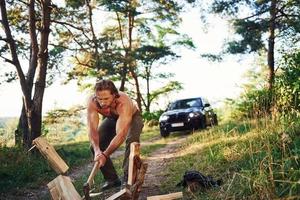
121, 107
112, 110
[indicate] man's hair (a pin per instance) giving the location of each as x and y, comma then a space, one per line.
106, 85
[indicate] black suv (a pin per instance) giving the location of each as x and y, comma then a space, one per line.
187, 114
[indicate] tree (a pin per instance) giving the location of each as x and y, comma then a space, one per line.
159, 53
119, 40
253, 19
34, 26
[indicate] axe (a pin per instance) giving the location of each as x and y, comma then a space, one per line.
89, 182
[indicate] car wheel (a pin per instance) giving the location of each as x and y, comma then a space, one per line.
203, 123
164, 133
215, 120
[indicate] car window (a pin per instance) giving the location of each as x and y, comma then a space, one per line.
195, 103
185, 103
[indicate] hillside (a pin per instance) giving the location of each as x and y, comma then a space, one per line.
4, 120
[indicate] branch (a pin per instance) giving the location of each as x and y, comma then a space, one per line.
26, 4
3, 39
120, 30
12, 45
286, 15
68, 24
255, 15
65, 24
83, 64
64, 47
92, 27
7, 60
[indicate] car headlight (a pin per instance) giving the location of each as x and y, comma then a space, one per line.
163, 118
191, 115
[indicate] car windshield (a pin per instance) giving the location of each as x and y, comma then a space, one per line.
185, 103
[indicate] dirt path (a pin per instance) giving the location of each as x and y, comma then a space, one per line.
157, 161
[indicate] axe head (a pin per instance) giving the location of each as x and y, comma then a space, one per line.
86, 191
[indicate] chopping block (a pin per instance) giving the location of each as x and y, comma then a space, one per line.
136, 174
61, 188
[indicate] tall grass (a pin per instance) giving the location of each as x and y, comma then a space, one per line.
256, 159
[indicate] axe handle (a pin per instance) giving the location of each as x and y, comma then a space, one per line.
93, 173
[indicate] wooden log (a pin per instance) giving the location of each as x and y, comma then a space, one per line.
170, 196
136, 173
121, 194
61, 188
136, 187
48, 151
132, 171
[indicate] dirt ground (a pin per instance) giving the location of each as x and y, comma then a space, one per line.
157, 161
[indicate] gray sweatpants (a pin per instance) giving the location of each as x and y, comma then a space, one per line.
107, 131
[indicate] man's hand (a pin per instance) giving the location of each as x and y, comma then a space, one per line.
101, 158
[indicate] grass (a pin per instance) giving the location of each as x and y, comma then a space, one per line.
255, 160
20, 170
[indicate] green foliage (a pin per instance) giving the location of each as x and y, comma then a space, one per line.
108, 54
19, 168
75, 3
260, 26
254, 159
7, 131
254, 103
170, 87
148, 54
154, 115
287, 84
256, 100
61, 125
251, 27
251, 39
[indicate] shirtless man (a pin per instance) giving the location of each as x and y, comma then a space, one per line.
121, 121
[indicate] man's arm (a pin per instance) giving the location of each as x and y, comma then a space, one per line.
122, 127
92, 122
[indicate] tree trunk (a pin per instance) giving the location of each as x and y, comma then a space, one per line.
271, 44
124, 73
30, 120
36, 111
132, 64
23, 127
148, 88
137, 88
20, 133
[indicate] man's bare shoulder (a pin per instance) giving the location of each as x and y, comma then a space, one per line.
124, 99
91, 104
126, 104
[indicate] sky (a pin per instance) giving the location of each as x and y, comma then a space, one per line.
214, 81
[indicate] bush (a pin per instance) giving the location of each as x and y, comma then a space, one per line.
148, 116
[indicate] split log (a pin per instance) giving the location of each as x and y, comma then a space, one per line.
122, 194
132, 171
61, 188
48, 151
136, 173
170, 196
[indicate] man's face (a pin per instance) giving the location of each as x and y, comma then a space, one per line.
104, 98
